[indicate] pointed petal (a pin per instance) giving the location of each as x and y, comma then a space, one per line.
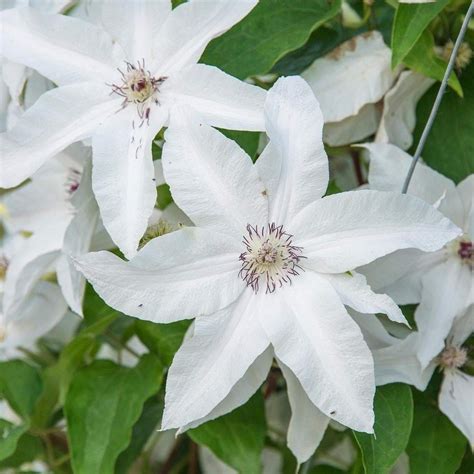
356, 293
178, 276
307, 423
354, 128
358, 72
400, 273
123, 175
63, 49
398, 363
221, 100
455, 401
388, 168
209, 364
466, 191
43, 309
36, 257
43, 199
344, 231
60, 117
135, 24
296, 173
314, 336
399, 107
374, 332
189, 28
446, 288
77, 241
241, 391
212, 179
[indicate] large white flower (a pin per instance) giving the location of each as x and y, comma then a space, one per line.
265, 271
119, 84
443, 280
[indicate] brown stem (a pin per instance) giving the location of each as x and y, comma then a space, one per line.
193, 459
357, 168
166, 468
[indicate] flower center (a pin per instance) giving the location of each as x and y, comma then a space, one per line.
452, 358
138, 87
462, 247
73, 181
270, 257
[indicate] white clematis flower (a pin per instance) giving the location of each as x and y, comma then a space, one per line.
398, 362
119, 84
264, 271
358, 73
58, 212
441, 280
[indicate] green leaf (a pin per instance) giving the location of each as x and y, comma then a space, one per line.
103, 404
266, 34
20, 385
162, 339
237, 438
248, 141
423, 59
144, 427
436, 446
9, 437
449, 148
28, 448
411, 20
393, 407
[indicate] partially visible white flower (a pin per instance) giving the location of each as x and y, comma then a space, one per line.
264, 271
443, 280
118, 83
398, 362
399, 109
349, 81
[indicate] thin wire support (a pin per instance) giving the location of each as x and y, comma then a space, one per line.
439, 97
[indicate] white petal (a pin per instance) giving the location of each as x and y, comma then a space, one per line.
159, 176
15, 76
61, 48
77, 241
59, 118
206, 367
178, 276
314, 336
399, 107
219, 99
398, 363
356, 293
356, 73
295, 170
374, 332
343, 231
241, 391
444, 296
307, 425
36, 258
189, 28
456, 402
135, 24
463, 327
212, 179
42, 200
400, 273
43, 309
123, 175
466, 191
389, 166
354, 128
